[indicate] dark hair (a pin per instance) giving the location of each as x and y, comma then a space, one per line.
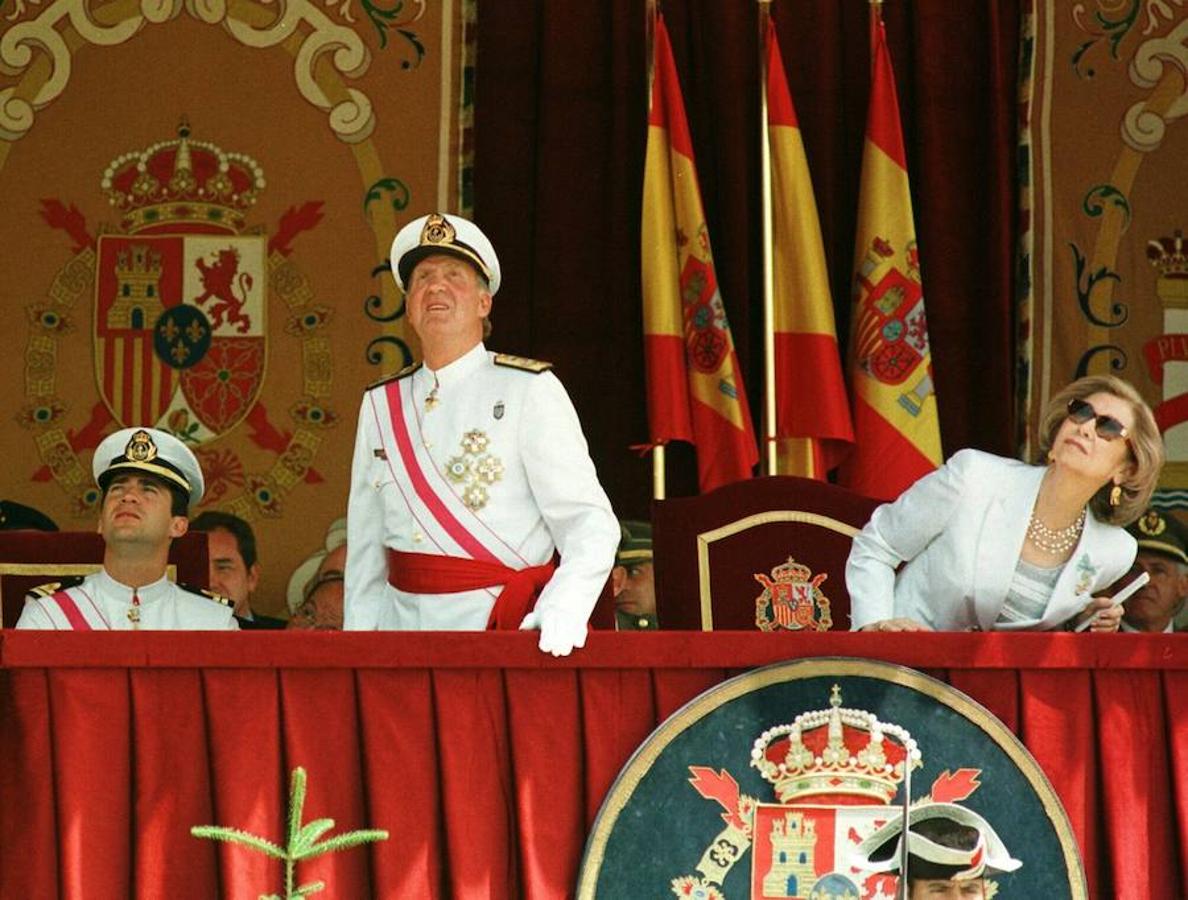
245, 540
179, 500
947, 833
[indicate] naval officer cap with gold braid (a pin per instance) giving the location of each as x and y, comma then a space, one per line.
150, 451
450, 235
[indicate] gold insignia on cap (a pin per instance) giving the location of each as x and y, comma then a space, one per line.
141, 447
437, 231
1152, 524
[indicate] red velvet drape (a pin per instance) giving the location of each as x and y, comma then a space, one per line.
560, 125
488, 760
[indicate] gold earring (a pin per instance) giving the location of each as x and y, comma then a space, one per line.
1116, 495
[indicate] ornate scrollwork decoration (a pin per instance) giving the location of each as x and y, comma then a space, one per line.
1095, 201
374, 304
352, 119
1118, 359
1142, 128
375, 351
1087, 281
1105, 26
394, 188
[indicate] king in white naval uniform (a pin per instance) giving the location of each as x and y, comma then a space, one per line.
148, 479
471, 471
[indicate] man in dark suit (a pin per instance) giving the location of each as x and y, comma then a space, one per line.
234, 566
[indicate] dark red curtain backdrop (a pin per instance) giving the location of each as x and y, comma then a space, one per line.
559, 141
488, 760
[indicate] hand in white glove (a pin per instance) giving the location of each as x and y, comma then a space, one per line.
560, 630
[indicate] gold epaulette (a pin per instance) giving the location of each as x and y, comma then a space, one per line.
403, 373
523, 363
52, 587
209, 595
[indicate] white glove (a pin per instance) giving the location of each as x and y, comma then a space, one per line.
560, 630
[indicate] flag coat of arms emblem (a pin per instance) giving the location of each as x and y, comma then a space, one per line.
180, 329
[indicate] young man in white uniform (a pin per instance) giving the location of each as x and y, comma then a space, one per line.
149, 478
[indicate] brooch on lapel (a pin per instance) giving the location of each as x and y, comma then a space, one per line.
1085, 574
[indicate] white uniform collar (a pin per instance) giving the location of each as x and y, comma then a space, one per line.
458, 370
115, 590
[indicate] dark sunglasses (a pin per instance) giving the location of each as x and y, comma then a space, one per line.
1107, 427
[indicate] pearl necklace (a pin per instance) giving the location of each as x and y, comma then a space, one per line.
1056, 543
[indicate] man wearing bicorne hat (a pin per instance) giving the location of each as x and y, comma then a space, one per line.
1163, 555
471, 470
951, 850
149, 479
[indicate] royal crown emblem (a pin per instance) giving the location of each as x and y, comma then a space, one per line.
180, 332
792, 599
182, 181
834, 754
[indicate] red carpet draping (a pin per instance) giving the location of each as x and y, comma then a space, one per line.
486, 760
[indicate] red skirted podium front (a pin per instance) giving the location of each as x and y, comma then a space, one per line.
485, 759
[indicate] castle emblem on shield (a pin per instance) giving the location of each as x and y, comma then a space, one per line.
836, 773
180, 294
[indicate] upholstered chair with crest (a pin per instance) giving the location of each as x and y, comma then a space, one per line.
764, 554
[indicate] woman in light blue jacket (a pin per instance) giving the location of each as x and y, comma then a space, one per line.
991, 543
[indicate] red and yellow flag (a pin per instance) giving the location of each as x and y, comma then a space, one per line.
812, 411
695, 390
895, 418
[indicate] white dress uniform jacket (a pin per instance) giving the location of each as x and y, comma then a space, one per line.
959, 532
100, 603
499, 462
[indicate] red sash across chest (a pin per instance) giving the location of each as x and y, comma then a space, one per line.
423, 573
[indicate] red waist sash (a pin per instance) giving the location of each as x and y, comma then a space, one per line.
425, 573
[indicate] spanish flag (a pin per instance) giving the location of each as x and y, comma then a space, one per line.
812, 411
695, 390
895, 417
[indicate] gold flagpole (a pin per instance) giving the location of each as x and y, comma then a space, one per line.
658, 474
770, 444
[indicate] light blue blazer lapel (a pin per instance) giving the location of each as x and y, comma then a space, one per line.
1001, 540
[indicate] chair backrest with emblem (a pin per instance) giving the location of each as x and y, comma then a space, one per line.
768, 553
32, 558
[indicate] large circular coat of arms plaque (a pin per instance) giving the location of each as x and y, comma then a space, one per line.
768, 785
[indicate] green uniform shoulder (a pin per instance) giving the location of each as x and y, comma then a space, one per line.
387, 379
52, 587
208, 595
523, 363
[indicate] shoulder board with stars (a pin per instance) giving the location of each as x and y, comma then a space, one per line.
52, 587
403, 373
523, 363
208, 595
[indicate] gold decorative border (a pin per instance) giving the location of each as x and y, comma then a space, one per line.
701, 706
764, 518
